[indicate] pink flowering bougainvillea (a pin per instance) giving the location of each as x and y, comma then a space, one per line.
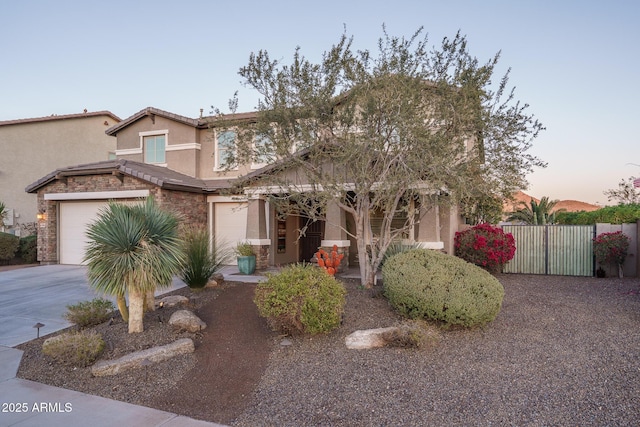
611, 248
485, 246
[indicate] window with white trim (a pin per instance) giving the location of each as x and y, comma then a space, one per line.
155, 148
225, 149
262, 147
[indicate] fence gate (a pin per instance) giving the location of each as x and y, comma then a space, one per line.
565, 250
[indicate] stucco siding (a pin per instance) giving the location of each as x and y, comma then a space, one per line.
32, 149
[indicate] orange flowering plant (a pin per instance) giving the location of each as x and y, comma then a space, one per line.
330, 261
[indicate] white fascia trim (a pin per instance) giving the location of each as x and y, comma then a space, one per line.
98, 195
154, 132
258, 165
277, 189
431, 245
178, 147
128, 151
259, 242
338, 243
226, 199
305, 188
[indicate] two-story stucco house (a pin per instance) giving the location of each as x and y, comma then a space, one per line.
32, 147
179, 161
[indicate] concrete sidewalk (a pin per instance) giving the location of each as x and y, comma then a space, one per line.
41, 294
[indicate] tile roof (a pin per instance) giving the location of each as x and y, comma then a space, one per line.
201, 123
151, 111
154, 174
60, 117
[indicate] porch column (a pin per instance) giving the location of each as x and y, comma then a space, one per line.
335, 234
450, 221
429, 224
257, 230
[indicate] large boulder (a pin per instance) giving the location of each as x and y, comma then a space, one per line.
142, 358
186, 320
369, 338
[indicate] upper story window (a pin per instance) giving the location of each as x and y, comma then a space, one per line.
155, 149
262, 149
225, 149
153, 145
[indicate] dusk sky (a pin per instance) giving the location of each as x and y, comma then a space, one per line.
575, 62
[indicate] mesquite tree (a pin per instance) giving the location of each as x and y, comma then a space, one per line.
380, 132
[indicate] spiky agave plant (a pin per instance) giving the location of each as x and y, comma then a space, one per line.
203, 256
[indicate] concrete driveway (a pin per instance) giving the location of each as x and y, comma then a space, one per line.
41, 295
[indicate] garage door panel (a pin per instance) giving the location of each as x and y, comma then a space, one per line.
230, 224
75, 218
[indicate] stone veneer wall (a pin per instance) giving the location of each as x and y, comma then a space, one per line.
262, 256
192, 207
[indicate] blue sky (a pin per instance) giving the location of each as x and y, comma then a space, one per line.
575, 62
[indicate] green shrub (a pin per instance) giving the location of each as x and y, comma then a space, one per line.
8, 246
28, 250
89, 313
74, 348
397, 248
201, 262
302, 298
428, 284
620, 214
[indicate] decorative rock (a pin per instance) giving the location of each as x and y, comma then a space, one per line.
211, 284
184, 319
218, 277
142, 358
286, 342
172, 300
370, 338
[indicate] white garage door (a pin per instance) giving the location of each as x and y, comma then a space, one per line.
74, 219
230, 224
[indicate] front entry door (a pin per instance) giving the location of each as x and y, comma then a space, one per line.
310, 242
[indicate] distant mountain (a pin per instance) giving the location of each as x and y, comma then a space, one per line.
567, 205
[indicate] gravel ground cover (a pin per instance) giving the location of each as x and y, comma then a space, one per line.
563, 351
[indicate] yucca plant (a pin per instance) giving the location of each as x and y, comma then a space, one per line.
203, 257
133, 249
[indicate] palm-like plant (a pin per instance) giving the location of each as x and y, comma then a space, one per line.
535, 213
133, 249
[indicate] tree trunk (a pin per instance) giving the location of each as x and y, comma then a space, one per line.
122, 307
149, 301
620, 271
363, 259
136, 311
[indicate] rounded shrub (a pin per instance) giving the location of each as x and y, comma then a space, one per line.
301, 298
28, 249
428, 284
74, 348
8, 246
89, 313
485, 246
